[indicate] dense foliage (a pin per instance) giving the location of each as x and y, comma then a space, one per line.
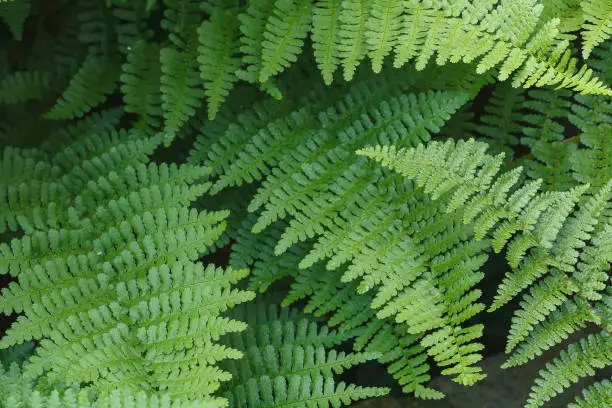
210, 203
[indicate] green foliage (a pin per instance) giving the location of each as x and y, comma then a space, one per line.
544, 233
164, 161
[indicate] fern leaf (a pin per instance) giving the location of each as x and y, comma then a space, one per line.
141, 81
284, 36
131, 27
217, 56
557, 327
22, 86
181, 91
383, 27
596, 395
598, 25
14, 14
95, 79
579, 360
252, 27
352, 30
326, 37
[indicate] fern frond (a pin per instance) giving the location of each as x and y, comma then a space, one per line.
299, 370
18, 391
218, 40
558, 326
578, 361
556, 235
22, 86
95, 79
112, 294
252, 28
140, 79
131, 24
598, 24
383, 28
284, 36
181, 91
97, 28
326, 31
181, 21
352, 45
596, 395
14, 14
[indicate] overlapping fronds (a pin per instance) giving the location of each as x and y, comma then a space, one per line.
558, 247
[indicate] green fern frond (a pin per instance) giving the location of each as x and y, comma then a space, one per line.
20, 392
181, 91
296, 369
596, 395
96, 28
131, 24
181, 21
284, 36
140, 79
95, 79
352, 47
252, 28
22, 86
382, 30
598, 24
14, 14
115, 278
578, 361
326, 31
218, 40
558, 247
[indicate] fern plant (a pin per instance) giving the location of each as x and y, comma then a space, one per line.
163, 163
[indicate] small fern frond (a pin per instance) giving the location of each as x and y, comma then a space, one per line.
284, 36
181, 90
140, 79
23, 86
383, 28
596, 395
326, 36
352, 45
217, 51
578, 361
95, 79
14, 14
598, 24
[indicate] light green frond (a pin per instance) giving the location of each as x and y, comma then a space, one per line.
352, 47
596, 395
326, 35
382, 30
578, 361
598, 24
